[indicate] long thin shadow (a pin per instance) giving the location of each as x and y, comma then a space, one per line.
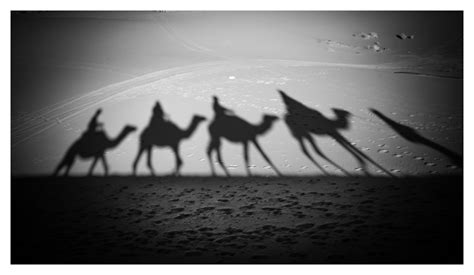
226, 125
412, 135
161, 132
93, 143
304, 122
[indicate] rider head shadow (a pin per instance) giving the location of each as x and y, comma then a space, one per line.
93, 143
161, 132
226, 125
304, 122
412, 135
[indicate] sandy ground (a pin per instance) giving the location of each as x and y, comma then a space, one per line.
65, 66
430, 105
124, 62
237, 220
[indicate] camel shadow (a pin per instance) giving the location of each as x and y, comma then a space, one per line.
412, 135
226, 125
93, 143
304, 122
161, 132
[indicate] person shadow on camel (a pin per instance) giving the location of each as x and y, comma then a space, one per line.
93, 143
304, 123
227, 125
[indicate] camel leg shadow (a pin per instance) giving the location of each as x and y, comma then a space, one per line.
91, 169
137, 159
179, 161
321, 154
360, 156
106, 165
65, 163
254, 141
215, 146
149, 158
246, 158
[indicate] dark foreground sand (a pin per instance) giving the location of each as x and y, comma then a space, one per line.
237, 220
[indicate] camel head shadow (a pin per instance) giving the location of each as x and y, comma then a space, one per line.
162, 132
226, 125
413, 136
93, 143
304, 123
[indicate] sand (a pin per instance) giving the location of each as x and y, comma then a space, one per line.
67, 65
237, 220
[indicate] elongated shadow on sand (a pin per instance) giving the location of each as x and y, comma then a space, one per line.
161, 132
93, 143
304, 122
226, 125
412, 135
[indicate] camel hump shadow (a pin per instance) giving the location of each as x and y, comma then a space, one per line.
93, 143
414, 136
226, 125
304, 122
162, 132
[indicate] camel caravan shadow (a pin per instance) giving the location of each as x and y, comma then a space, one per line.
412, 135
161, 132
93, 143
304, 122
226, 125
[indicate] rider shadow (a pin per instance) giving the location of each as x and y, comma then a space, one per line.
93, 143
162, 132
304, 122
412, 135
226, 125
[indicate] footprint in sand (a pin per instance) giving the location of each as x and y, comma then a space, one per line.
430, 164
175, 210
247, 207
382, 151
305, 226
226, 211
150, 232
182, 216
204, 209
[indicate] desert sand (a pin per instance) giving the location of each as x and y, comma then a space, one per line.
237, 220
389, 189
